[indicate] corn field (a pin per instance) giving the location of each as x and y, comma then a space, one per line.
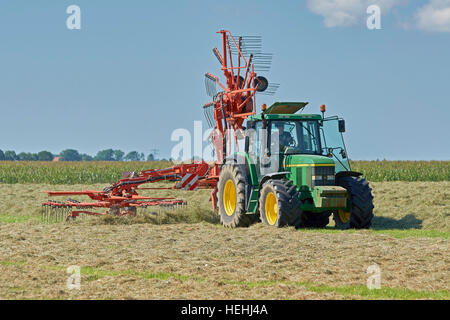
403, 170
108, 172
71, 172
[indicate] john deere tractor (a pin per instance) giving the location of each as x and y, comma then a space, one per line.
294, 172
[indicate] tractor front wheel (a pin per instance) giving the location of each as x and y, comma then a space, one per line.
361, 199
231, 197
279, 204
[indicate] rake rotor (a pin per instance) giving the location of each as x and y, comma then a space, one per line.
239, 58
121, 198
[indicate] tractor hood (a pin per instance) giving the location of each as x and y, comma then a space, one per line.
306, 160
310, 170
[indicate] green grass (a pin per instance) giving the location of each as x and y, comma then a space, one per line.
398, 234
349, 291
108, 172
8, 218
95, 273
414, 233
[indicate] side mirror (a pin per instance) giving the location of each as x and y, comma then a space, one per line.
341, 124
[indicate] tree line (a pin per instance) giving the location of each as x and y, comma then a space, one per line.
74, 155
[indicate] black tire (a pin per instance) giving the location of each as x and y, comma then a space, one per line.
287, 204
315, 219
237, 217
361, 198
341, 222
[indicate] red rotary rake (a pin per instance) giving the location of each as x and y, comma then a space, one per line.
121, 198
226, 113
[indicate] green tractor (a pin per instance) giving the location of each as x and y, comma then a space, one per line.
294, 172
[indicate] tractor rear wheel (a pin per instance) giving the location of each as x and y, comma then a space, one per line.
231, 197
279, 204
361, 199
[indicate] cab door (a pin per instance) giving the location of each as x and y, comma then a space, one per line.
333, 142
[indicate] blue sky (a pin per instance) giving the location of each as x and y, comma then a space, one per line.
134, 72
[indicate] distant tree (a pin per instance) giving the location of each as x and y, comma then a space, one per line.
11, 155
45, 156
118, 155
105, 155
86, 157
70, 155
133, 156
27, 156
2, 155
142, 157
150, 157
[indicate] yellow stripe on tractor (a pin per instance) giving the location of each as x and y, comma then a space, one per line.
310, 165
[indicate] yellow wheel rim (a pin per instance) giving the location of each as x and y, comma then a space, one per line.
229, 198
344, 216
271, 208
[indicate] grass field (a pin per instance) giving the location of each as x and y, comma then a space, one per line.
187, 254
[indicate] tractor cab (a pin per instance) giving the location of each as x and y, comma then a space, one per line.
279, 139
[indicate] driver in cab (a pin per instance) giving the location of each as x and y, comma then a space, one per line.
285, 138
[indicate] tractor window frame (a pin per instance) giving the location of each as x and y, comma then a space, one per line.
299, 138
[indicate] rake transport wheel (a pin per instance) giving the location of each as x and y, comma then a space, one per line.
361, 199
231, 197
279, 204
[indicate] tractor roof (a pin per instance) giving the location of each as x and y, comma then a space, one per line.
285, 107
285, 110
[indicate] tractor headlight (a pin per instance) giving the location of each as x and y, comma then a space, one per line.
323, 177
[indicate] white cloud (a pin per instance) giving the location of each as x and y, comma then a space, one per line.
434, 16
347, 12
